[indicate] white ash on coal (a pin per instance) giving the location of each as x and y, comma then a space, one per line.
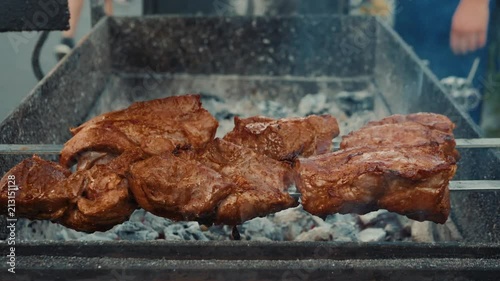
371, 235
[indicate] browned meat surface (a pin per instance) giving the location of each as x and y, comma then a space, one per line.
407, 133
161, 155
38, 195
88, 159
104, 199
431, 120
261, 183
412, 181
178, 189
285, 139
155, 126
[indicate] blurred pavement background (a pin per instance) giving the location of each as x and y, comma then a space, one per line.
16, 75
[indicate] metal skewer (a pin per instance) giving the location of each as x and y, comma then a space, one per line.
475, 185
30, 148
468, 185
455, 186
478, 143
463, 143
56, 148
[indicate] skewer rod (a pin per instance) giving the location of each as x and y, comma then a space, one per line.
456, 186
463, 143
475, 185
56, 148
469, 185
30, 148
478, 143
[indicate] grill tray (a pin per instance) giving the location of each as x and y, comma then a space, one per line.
237, 260
280, 59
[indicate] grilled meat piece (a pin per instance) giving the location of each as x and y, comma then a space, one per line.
407, 133
287, 138
178, 189
88, 159
432, 120
412, 181
155, 126
35, 190
261, 183
104, 199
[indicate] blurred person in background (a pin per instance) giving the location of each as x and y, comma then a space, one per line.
384, 9
450, 35
68, 36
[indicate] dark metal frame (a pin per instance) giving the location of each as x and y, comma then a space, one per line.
124, 45
34, 15
117, 56
209, 7
239, 260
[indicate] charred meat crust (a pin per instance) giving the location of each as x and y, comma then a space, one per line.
407, 133
104, 198
431, 120
37, 195
260, 183
412, 181
285, 139
178, 189
155, 126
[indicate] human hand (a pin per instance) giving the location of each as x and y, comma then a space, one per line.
469, 26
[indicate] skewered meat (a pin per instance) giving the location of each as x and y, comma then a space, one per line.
104, 199
261, 183
285, 139
431, 120
412, 181
38, 195
178, 189
406, 133
161, 154
155, 126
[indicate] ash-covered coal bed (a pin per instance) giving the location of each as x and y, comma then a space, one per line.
352, 110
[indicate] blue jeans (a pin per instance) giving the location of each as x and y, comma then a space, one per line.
425, 25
